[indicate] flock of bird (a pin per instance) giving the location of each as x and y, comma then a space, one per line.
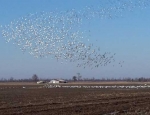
59, 34
48, 85
98, 86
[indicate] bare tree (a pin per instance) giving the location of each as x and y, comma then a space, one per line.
79, 76
35, 77
74, 78
11, 79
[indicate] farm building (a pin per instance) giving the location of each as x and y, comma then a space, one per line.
40, 82
54, 81
62, 81
57, 81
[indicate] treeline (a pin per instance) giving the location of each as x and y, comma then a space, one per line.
141, 79
11, 79
35, 78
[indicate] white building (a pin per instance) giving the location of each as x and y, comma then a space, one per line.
40, 82
54, 81
57, 81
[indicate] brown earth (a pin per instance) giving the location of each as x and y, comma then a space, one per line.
35, 100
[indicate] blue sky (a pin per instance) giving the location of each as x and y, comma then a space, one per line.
127, 36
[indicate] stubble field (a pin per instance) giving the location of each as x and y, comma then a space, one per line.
32, 99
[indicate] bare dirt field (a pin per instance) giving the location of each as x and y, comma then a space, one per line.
32, 99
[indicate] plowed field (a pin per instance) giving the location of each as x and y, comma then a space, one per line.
34, 100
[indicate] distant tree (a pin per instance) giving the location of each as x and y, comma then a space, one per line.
79, 76
93, 79
35, 77
11, 79
2, 79
74, 78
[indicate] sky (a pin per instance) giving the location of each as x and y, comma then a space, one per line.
126, 34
